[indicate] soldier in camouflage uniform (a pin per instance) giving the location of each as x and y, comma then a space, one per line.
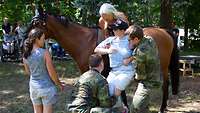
147, 68
91, 93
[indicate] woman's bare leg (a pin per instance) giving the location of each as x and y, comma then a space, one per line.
48, 109
38, 108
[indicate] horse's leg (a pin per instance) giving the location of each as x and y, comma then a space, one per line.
124, 98
107, 68
174, 65
174, 70
165, 91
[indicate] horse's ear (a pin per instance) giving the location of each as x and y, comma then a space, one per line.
44, 24
38, 10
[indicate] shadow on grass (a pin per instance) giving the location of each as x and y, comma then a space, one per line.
182, 111
14, 92
67, 68
14, 89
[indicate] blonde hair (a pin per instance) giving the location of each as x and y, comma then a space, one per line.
107, 8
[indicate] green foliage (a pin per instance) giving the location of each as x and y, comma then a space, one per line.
86, 12
186, 15
61, 7
133, 8
187, 11
144, 13
15, 10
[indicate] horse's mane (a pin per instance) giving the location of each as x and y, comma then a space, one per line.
66, 20
62, 19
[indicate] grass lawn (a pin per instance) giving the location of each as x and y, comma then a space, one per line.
14, 93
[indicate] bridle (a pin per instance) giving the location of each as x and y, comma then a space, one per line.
39, 20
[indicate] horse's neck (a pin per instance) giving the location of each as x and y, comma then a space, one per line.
71, 36
77, 40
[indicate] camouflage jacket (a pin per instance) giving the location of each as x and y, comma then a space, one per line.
148, 62
91, 90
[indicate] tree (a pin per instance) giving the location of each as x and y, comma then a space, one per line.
186, 14
165, 15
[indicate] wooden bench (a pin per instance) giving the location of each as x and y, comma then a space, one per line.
186, 66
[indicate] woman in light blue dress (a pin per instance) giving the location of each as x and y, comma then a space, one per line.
119, 55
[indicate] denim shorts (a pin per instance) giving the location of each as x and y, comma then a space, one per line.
44, 96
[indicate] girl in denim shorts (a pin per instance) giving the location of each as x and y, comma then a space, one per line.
43, 77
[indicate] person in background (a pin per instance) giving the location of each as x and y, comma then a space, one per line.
20, 31
43, 77
7, 36
91, 94
147, 69
6, 26
175, 31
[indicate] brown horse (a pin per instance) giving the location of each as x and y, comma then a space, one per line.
80, 42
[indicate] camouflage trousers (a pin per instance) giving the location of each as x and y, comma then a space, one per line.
141, 99
107, 110
117, 108
97, 110
100, 110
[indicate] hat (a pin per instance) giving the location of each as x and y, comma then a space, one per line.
107, 8
119, 24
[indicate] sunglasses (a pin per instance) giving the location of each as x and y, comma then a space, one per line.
129, 39
115, 29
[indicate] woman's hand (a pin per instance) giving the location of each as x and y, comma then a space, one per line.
61, 86
126, 61
111, 50
105, 50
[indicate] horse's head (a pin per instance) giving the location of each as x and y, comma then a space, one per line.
43, 20
40, 20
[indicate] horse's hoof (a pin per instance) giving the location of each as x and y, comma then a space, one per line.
175, 92
163, 111
160, 112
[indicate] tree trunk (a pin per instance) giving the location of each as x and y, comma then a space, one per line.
166, 14
186, 44
186, 37
57, 3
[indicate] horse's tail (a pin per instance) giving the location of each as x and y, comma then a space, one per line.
174, 66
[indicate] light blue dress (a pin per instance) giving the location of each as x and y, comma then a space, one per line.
123, 52
120, 75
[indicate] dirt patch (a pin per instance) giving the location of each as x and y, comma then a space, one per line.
14, 93
188, 99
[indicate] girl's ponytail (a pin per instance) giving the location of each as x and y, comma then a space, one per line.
28, 43
28, 46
